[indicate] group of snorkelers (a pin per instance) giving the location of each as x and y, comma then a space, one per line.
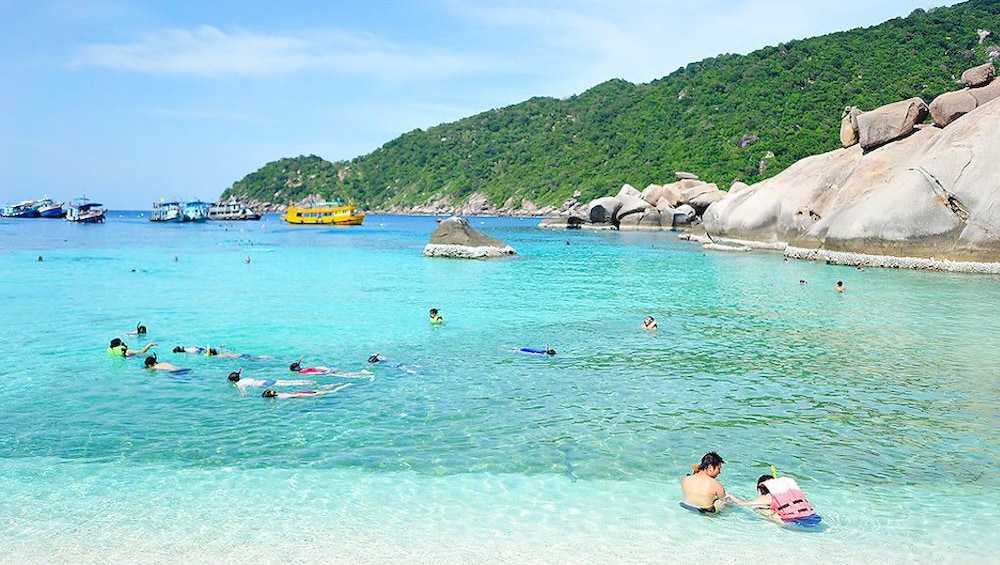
778, 498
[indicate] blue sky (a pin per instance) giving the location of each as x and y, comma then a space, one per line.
128, 102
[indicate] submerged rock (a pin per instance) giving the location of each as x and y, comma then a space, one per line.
455, 238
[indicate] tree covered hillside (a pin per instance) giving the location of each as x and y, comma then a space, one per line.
731, 117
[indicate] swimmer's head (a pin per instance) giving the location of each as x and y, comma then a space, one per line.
295, 366
140, 329
178, 349
235, 375
212, 351
550, 351
374, 358
434, 311
117, 342
150, 361
710, 459
269, 393
760, 484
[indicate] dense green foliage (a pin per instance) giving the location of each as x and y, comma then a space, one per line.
789, 96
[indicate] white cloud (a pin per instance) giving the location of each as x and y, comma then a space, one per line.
209, 51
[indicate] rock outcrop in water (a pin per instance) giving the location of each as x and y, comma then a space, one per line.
929, 196
658, 207
455, 238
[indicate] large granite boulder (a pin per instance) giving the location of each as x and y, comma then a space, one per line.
979, 75
603, 210
986, 93
455, 238
929, 195
890, 122
950, 106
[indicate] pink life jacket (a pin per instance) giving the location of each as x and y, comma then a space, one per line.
787, 500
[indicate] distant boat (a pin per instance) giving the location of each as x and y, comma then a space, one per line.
165, 212
231, 210
324, 213
82, 210
194, 211
25, 209
46, 208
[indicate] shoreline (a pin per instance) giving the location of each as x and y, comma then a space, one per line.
851, 259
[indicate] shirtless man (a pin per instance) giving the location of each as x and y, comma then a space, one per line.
701, 491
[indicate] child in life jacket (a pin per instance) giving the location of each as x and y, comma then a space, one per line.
783, 500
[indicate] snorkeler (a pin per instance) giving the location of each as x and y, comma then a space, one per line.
702, 492
243, 384
139, 330
119, 348
649, 323
297, 367
211, 352
530, 351
782, 500
271, 393
153, 365
376, 359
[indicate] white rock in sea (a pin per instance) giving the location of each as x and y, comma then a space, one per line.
455, 238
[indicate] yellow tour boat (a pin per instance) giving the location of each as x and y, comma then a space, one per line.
324, 213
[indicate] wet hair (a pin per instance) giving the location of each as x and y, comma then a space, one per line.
434, 311
760, 484
234, 376
550, 351
213, 351
269, 393
178, 349
294, 366
374, 358
150, 361
840, 283
140, 329
117, 342
710, 459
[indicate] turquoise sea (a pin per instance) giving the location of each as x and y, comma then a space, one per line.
882, 402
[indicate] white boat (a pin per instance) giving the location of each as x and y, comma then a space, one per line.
231, 210
165, 212
82, 210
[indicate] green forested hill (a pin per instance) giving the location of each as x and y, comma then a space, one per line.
789, 96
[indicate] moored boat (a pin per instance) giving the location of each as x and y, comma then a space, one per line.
25, 209
46, 208
231, 210
324, 213
194, 211
82, 210
165, 212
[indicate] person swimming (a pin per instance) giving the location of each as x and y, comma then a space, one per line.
435, 317
119, 348
271, 393
376, 359
649, 323
152, 364
236, 377
530, 351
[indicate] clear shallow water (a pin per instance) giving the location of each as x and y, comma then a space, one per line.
882, 401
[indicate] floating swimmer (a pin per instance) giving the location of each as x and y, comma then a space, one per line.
649, 323
153, 365
271, 393
236, 377
781, 500
139, 330
297, 367
537, 351
211, 352
436, 318
376, 359
119, 348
